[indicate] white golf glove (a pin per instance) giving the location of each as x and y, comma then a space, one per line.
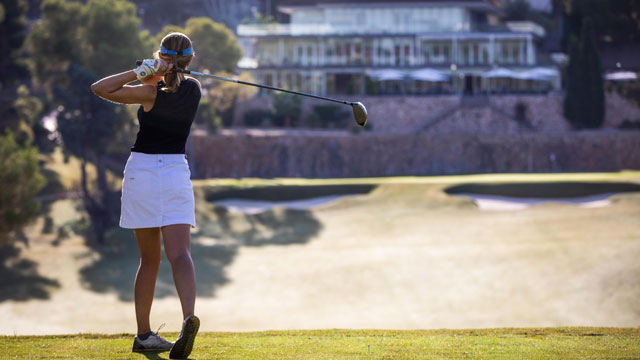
148, 67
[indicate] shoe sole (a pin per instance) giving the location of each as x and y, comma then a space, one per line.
183, 346
149, 350
140, 348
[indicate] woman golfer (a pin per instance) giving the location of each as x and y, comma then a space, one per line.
157, 195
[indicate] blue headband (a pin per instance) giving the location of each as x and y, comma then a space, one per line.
165, 51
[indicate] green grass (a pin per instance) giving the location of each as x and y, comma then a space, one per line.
629, 175
539, 343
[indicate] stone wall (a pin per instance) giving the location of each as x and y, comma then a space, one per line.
618, 110
413, 114
543, 112
412, 154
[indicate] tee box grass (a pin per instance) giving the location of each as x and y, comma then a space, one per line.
528, 343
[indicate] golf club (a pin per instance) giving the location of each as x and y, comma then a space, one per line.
359, 111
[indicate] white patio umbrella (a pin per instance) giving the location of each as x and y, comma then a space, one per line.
622, 76
500, 73
428, 74
387, 74
538, 73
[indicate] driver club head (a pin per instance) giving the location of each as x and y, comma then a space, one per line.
360, 113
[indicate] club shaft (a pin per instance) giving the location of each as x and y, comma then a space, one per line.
265, 86
138, 62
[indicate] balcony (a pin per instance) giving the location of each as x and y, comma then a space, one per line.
285, 29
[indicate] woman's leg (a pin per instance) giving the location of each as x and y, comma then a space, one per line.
150, 256
177, 247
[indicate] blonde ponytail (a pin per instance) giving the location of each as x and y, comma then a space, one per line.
176, 42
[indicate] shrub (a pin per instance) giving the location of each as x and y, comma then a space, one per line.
629, 125
257, 117
286, 109
521, 111
328, 116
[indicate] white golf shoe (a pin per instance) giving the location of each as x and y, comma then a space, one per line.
154, 342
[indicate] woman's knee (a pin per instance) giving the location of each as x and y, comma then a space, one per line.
178, 255
151, 260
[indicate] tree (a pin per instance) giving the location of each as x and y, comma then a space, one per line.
71, 47
112, 45
287, 108
615, 22
222, 96
584, 97
517, 10
29, 110
20, 181
574, 90
102, 36
87, 125
19, 111
13, 28
215, 45
55, 42
593, 83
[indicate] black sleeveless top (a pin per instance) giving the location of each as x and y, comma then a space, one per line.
164, 129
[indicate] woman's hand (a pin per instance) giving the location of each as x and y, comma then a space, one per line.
151, 68
162, 67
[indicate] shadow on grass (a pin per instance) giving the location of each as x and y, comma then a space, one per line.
156, 355
544, 190
117, 264
19, 278
219, 236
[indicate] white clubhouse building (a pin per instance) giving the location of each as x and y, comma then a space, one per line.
419, 47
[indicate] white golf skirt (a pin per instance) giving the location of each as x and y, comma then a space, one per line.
156, 191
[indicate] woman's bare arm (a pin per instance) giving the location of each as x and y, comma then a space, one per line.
114, 88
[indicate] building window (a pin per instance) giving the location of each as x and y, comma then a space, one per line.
289, 81
368, 55
476, 54
465, 54
298, 82
505, 52
407, 54
426, 53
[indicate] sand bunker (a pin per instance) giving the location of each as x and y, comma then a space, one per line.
251, 207
503, 203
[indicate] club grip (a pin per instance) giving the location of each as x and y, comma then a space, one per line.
139, 62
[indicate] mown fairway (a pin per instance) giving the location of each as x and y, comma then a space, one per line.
546, 343
402, 255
